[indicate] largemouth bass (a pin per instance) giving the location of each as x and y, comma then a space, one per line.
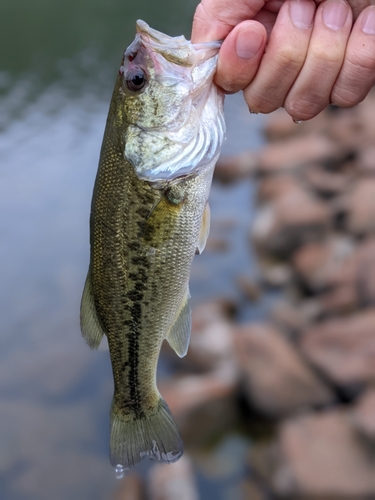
149, 216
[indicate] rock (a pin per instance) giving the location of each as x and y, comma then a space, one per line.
251, 490
279, 125
276, 379
234, 168
358, 270
274, 274
321, 456
292, 220
196, 400
211, 340
289, 316
273, 186
249, 288
172, 481
366, 160
297, 152
347, 129
326, 183
130, 488
360, 208
341, 300
316, 262
363, 414
344, 349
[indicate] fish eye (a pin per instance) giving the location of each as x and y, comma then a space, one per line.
135, 80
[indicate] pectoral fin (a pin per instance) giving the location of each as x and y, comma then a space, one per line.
205, 229
90, 327
179, 335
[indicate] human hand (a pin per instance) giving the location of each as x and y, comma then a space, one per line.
315, 55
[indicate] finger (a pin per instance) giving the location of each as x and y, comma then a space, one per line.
284, 57
240, 55
214, 19
311, 91
357, 6
357, 75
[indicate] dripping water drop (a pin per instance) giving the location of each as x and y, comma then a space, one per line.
119, 470
297, 121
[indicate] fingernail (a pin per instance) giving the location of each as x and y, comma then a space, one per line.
335, 13
248, 44
302, 13
368, 21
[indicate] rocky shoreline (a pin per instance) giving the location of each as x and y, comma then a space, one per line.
306, 374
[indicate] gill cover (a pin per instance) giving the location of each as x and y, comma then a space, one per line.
175, 121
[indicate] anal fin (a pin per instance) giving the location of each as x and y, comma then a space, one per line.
90, 327
205, 229
179, 335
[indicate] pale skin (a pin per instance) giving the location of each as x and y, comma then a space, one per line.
297, 54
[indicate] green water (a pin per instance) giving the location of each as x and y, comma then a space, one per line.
58, 62
35, 35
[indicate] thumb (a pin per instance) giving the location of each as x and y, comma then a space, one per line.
240, 56
214, 19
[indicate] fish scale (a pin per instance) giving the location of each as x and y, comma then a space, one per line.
146, 227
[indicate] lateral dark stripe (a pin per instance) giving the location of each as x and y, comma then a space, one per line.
136, 297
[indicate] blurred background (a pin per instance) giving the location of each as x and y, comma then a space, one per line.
275, 397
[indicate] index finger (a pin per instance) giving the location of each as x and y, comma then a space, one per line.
215, 19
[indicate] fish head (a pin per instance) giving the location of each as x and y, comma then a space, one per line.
173, 113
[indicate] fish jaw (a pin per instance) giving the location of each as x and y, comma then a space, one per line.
176, 122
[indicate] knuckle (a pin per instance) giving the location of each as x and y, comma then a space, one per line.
322, 57
289, 58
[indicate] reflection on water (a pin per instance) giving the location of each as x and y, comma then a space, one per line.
55, 393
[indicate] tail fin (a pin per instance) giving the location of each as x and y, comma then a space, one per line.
154, 435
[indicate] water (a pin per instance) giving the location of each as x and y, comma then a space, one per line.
56, 78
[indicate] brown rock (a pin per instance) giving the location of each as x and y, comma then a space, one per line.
293, 219
249, 288
360, 208
366, 160
321, 455
279, 125
344, 348
211, 341
289, 316
251, 490
129, 488
186, 393
274, 186
341, 300
327, 183
276, 378
173, 481
358, 270
317, 262
274, 274
196, 400
297, 152
234, 168
363, 414
346, 128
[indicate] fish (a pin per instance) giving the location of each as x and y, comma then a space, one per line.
149, 217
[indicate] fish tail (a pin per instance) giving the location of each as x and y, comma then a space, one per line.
154, 435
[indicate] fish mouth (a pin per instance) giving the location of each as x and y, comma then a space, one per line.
177, 49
